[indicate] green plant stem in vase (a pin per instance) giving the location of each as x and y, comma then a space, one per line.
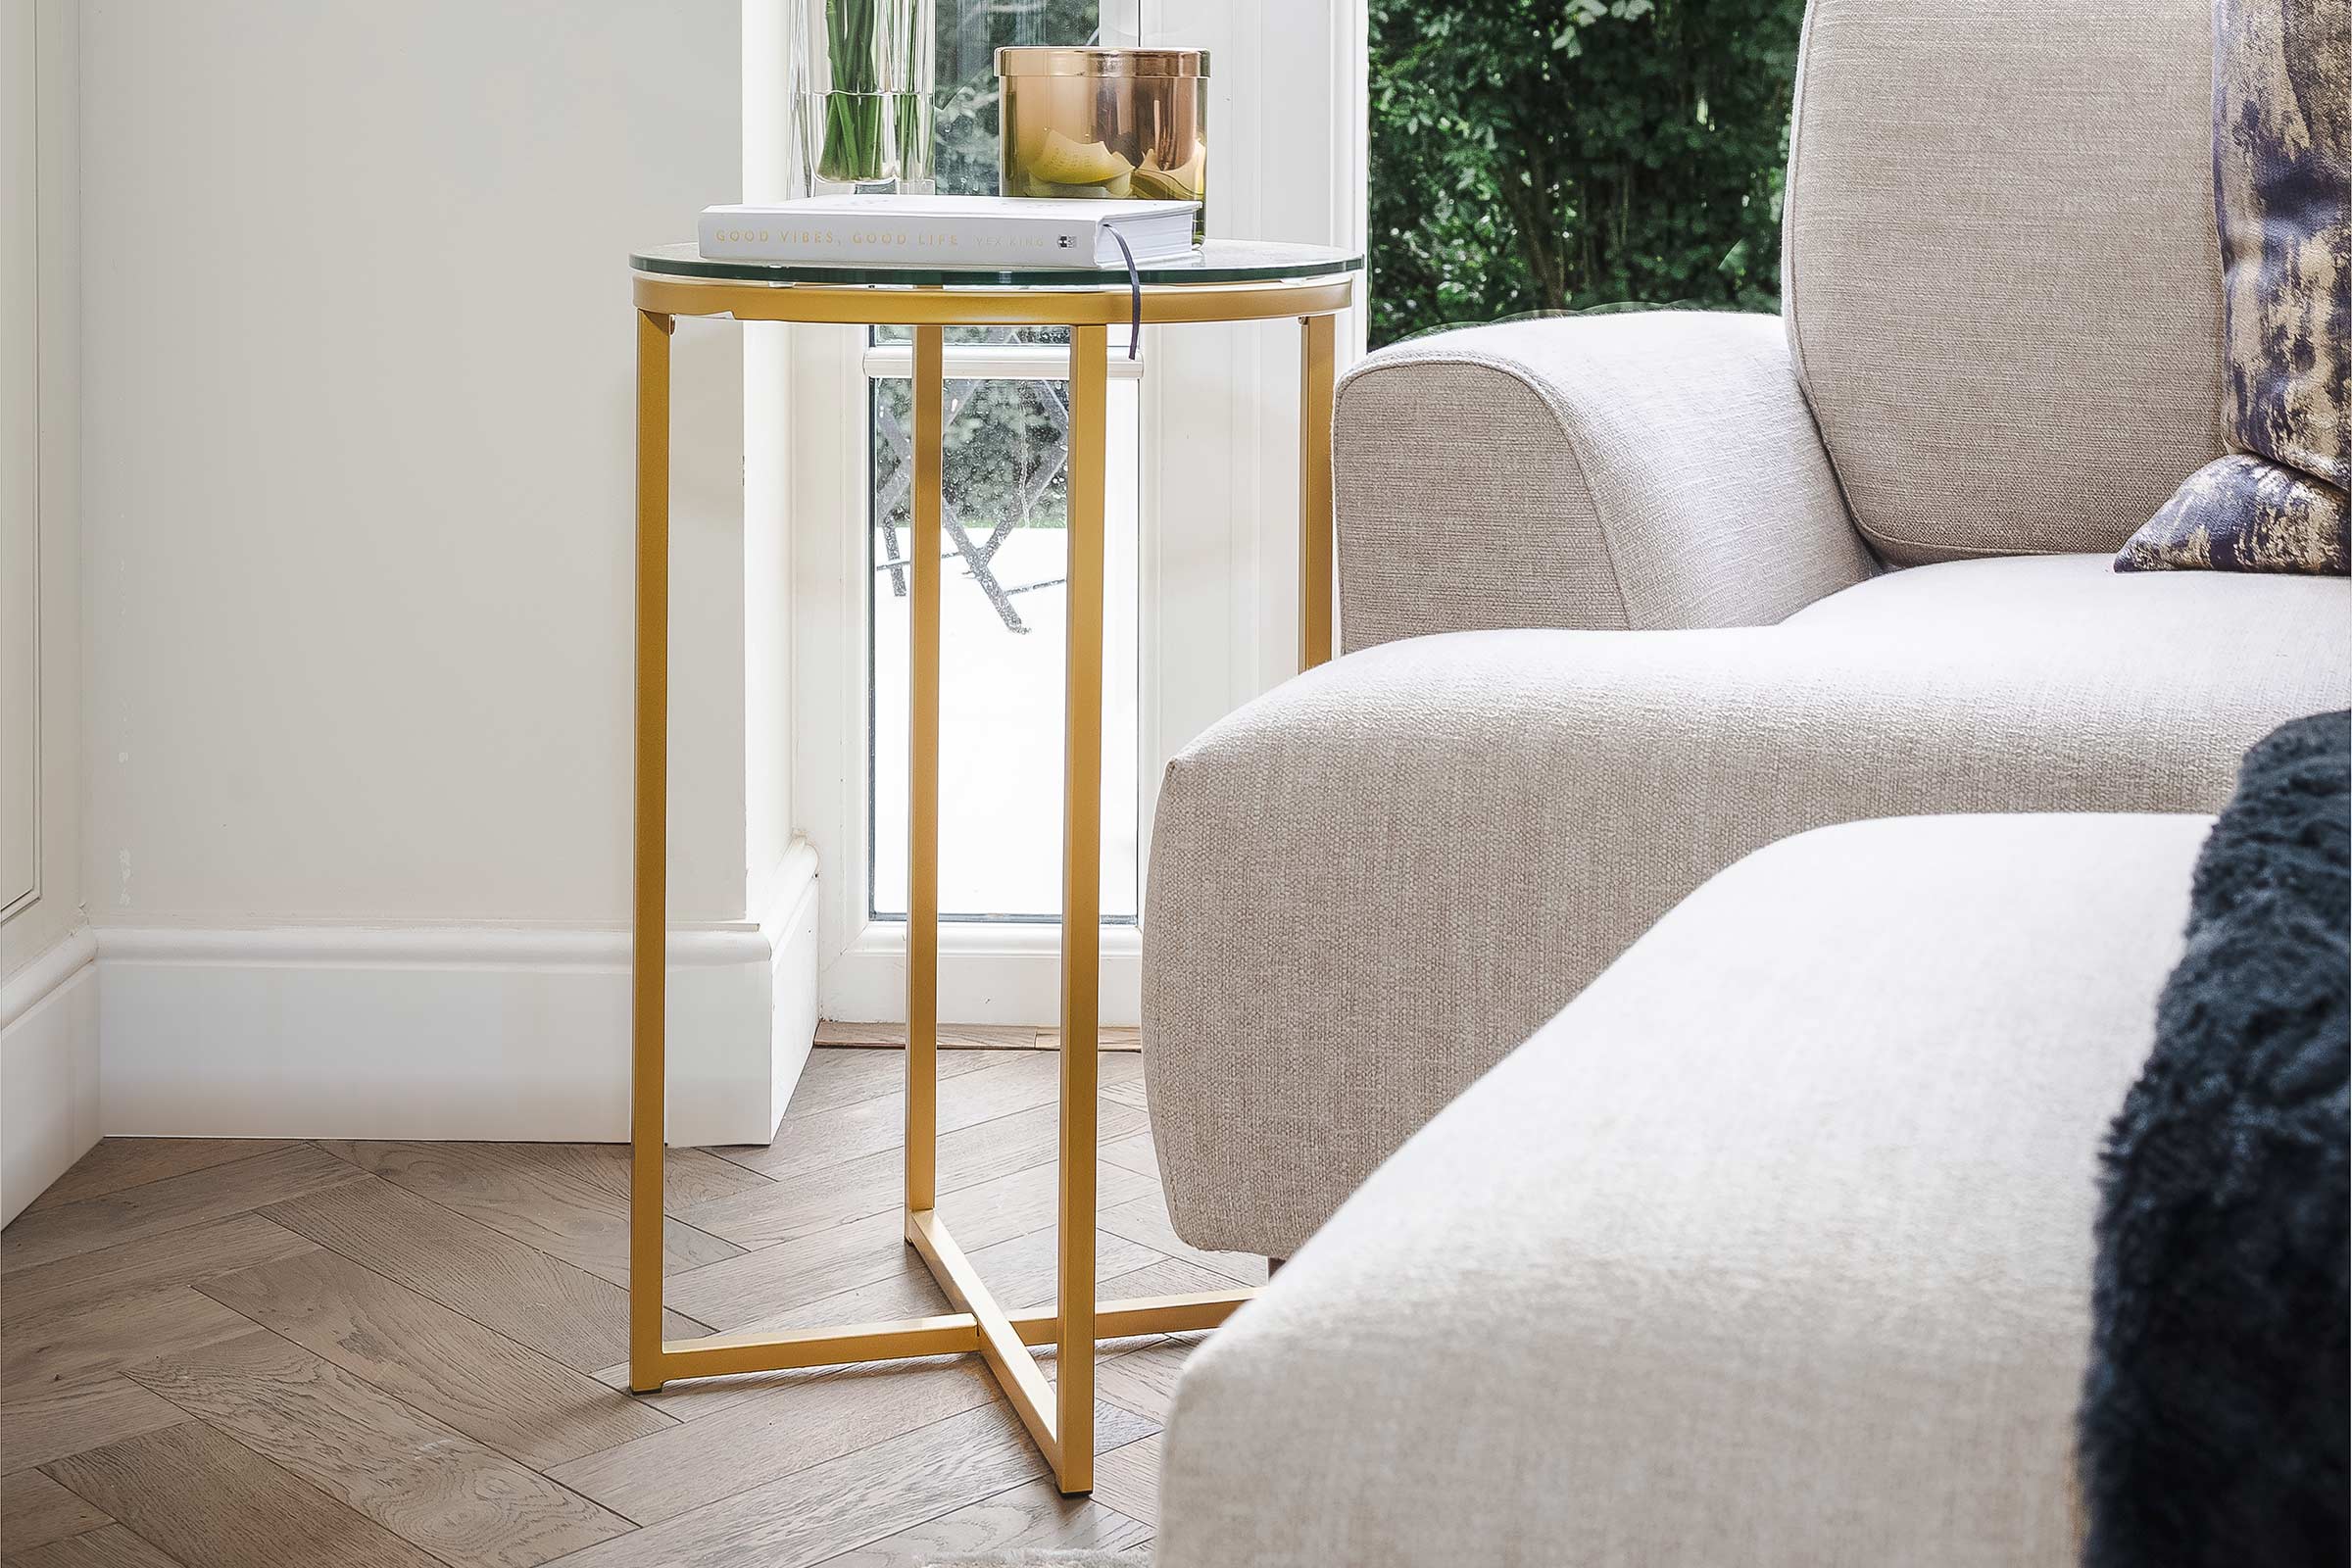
853, 146
876, 117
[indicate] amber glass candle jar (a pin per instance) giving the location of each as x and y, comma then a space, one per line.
1112, 123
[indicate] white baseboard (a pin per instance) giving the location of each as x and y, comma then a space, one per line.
446, 1031
790, 930
49, 1072
992, 974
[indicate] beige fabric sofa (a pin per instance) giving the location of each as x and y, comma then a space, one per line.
1773, 1249
1626, 598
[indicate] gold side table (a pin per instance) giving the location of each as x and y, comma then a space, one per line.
1226, 281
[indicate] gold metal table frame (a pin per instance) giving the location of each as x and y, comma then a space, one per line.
1061, 1417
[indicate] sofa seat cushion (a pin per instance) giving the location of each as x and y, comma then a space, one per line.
1772, 1249
1371, 883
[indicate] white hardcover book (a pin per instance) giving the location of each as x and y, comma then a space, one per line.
977, 232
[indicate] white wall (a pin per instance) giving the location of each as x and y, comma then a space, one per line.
357, 393
49, 1043
356, 382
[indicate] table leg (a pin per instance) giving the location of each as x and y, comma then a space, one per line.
1081, 915
649, 900
923, 779
1317, 354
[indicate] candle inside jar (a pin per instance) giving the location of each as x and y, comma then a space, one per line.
1115, 124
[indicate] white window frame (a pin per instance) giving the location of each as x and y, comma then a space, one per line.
1124, 435
1217, 535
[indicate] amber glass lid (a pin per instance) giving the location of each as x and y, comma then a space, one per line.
1101, 62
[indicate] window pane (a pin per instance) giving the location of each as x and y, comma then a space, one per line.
1002, 610
1003, 617
970, 32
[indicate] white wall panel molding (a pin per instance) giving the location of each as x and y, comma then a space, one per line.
49, 1108
41, 536
789, 928
49, 999
490, 1032
455, 947
34, 981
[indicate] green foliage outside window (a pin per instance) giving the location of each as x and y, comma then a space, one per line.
1560, 155
1526, 155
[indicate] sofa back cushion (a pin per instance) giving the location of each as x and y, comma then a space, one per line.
1998, 265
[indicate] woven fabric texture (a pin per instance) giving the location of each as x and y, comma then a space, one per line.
1641, 470
1773, 1249
1371, 883
1998, 266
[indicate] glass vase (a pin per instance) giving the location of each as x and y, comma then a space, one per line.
867, 100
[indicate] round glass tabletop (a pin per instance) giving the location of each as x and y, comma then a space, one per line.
1219, 260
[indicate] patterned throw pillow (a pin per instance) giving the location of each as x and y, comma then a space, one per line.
2282, 199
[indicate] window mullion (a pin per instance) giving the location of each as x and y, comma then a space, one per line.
1009, 362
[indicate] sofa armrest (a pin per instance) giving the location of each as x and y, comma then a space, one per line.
1634, 471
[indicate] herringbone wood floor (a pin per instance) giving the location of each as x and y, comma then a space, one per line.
248, 1354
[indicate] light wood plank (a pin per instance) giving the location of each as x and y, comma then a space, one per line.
798, 1419
797, 1204
380, 1377
1135, 1153
1145, 1219
1020, 1270
1167, 1276
35, 1510
870, 1125
876, 1125
86, 1316
208, 1501
176, 1202
689, 1176
519, 1290
911, 1294
763, 1286
183, 1257
1127, 1479
568, 1203
834, 1078
67, 1418
114, 1164
437, 1359
827, 1510
111, 1547
1123, 1079
1144, 1380
103, 1339
465, 1504
1119, 1037
1031, 1517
